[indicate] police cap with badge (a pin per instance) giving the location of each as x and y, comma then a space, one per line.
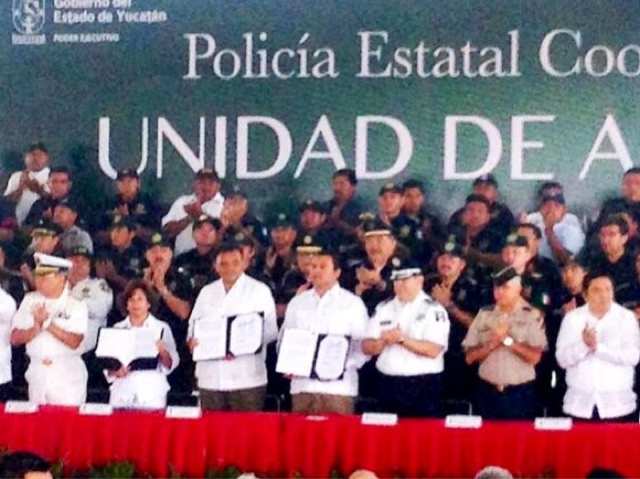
158, 239
312, 205
452, 247
127, 173
122, 221
282, 220
517, 240
80, 251
48, 264
372, 226
46, 227
404, 268
503, 276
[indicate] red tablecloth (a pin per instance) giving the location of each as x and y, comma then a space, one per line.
286, 444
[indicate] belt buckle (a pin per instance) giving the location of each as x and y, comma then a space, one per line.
47, 362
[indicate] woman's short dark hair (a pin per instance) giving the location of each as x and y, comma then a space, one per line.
132, 287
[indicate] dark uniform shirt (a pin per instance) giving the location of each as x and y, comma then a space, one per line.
198, 267
128, 263
179, 284
502, 219
623, 271
143, 209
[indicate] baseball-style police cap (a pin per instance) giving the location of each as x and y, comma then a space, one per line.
282, 220
68, 203
390, 188
47, 264
452, 247
504, 275
239, 236
309, 244
46, 227
404, 268
79, 251
122, 221
158, 239
313, 205
515, 239
487, 179
127, 173
202, 219
557, 196
376, 227
207, 174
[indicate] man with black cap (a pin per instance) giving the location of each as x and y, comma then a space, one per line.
312, 217
404, 229
198, 262
459, 293
414, 206
370, 278
205, 199
328, 309
500, 216
280, 256
45, 239
52, 323
130, 201
409, 334
562, 234
65, 215
122, 259
60, 184
507, 340
174, 294
344, 209
481, 242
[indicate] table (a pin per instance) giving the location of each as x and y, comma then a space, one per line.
285, 444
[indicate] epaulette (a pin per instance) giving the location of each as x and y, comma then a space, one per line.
430, 301
76, 294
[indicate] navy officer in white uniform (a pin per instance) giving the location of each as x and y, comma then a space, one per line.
52, 323
409, 333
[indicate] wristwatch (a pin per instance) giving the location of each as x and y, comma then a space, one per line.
508, 341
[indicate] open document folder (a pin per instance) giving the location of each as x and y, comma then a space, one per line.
134, 348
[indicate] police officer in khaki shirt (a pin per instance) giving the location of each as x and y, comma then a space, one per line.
507, 340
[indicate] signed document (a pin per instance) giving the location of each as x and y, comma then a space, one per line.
311, 355
134, 348
222, 336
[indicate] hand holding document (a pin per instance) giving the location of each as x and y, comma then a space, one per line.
221, 336
312, 355
134, 348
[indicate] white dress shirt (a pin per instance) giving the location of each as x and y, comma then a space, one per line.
56, 374
421, 319
145, 389
184, 240
7, 310
247, 295
569, 232
66, 312
98, 297
28, 197
340, 312
602, 378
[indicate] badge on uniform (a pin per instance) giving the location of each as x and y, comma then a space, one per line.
440, 316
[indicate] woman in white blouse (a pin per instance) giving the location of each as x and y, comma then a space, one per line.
143, 389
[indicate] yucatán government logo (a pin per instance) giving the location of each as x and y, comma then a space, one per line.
28, 16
